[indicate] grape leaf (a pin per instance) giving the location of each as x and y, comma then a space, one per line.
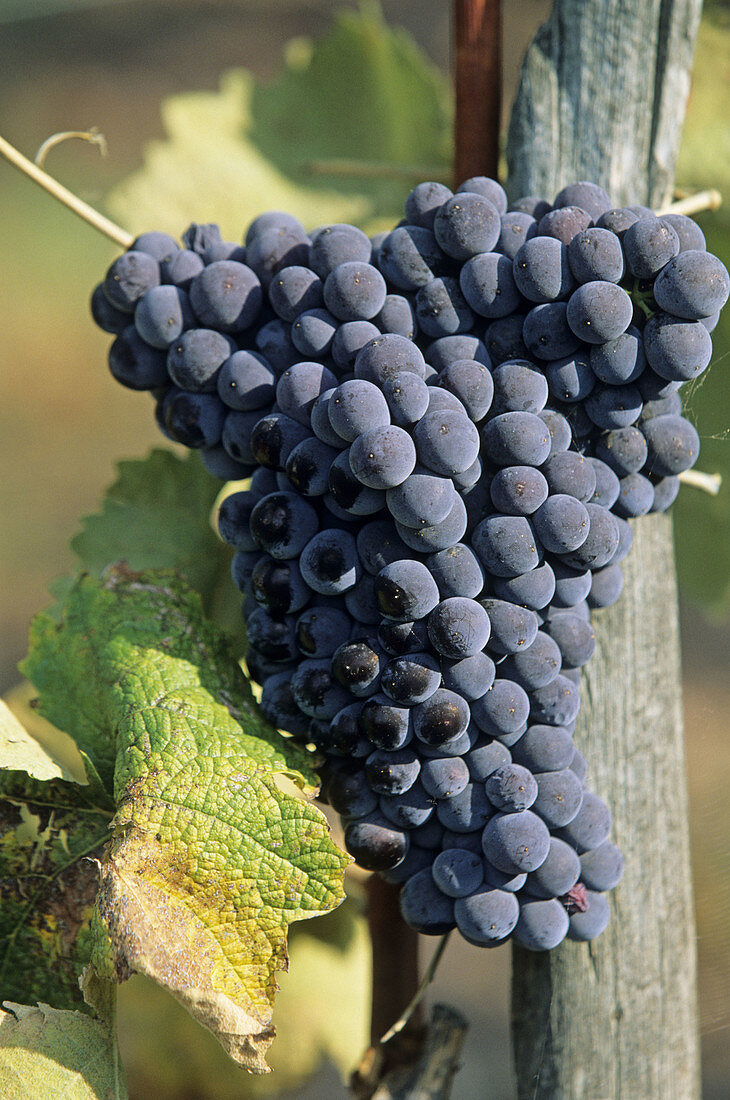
212, 856
45, 1051
365, 93
19, 751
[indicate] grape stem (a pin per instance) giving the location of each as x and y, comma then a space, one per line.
693, 204
53, 187
428, 977
709, 483
93, 136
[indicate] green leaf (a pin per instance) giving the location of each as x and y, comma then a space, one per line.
48, 1052
213, 851
364, 93
51, 837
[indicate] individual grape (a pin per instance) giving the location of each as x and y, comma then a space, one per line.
636, 496
516, 843
601, 868
512, 627
261, 668
532, 205
544, 749
245, 380
272, 637
689, 233
361, 603
356, 665
407, 397
299, 387
588, 196
502, 711
444, 777
417, 859
561, 523
488, 189
486, 917
547, 334
557, 875
599, 311
181, 268
466, 224
194, 361
397, 316
349, 494
411, 678
648, 245
406, 590
440, 400
410, 257
392, 773
506, 545
354, 291
503, 339
516, 228
676, 349
312, 332
315, 690
386, 725
488, 285
273, 439
378, 545
626, 539
293, 290
518, 490
590, 826
376, 844
458, 627
602, 541
606, 586
308, 467
440, 718
511, 788
457, 873
535, 666
662, 406
486, 757
159, 245
348, 342
423, 202
571, 378
574, 637
623, 449
341, 736
589, 924
621, 360
355, 407
273, 341
516, 439
470, 676
458, 745
561, 435
282, 524
135, 364
673, 445
541, 269
533, 590
607, 484
439, 536
569, 473
424, 907
441, 308
161, 315
226, 296
236, 434
278, 586
571, 585
320, 630
471, 382
275, 248
105, 315
542, 925
449, 349
279, 707
338, 244
559, 798
382, 457
467, 811
193, 419
421, 500
348, 793
618, 220
329, 562
579, 766
665, 493
595, 255
242, 567
556, 704
129, 278
456, 571
518, 387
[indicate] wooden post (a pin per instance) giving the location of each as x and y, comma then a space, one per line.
477, 34
602, 97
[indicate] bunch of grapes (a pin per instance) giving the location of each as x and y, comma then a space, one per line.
446, 429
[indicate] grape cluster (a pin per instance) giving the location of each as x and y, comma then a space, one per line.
446, 428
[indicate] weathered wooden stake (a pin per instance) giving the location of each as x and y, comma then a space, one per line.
477, 35
602, 97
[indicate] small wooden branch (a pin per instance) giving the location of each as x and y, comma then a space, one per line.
478, 80
395, 958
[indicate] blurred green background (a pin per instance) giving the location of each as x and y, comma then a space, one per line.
72, 64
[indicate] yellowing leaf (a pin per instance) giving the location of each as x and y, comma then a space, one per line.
20, 751
47, 1052
210, 859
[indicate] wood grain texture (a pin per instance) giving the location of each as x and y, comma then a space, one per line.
602, 96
